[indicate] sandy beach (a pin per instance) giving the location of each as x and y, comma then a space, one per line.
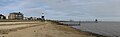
39, 29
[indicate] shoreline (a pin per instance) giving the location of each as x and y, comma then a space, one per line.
94, 34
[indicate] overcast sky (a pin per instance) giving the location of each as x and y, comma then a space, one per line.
64, 9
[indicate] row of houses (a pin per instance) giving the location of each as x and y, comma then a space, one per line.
19, 16
16, 16
13, 16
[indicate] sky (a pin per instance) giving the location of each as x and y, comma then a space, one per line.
104, 10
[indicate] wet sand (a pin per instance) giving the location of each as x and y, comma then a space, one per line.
39, 29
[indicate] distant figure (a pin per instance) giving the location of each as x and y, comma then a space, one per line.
96, 20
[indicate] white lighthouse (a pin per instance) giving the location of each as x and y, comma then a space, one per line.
43, 17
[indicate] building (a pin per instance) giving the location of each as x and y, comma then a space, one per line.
16, 16
42, 17
2, 16
32, 18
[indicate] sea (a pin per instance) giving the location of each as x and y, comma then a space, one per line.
105, 28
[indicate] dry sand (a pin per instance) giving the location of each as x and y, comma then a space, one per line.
38, 29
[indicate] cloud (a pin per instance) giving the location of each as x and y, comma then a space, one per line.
64, 9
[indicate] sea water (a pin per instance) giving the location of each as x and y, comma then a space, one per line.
111, 29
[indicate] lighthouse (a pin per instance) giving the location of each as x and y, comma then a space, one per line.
43, 17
